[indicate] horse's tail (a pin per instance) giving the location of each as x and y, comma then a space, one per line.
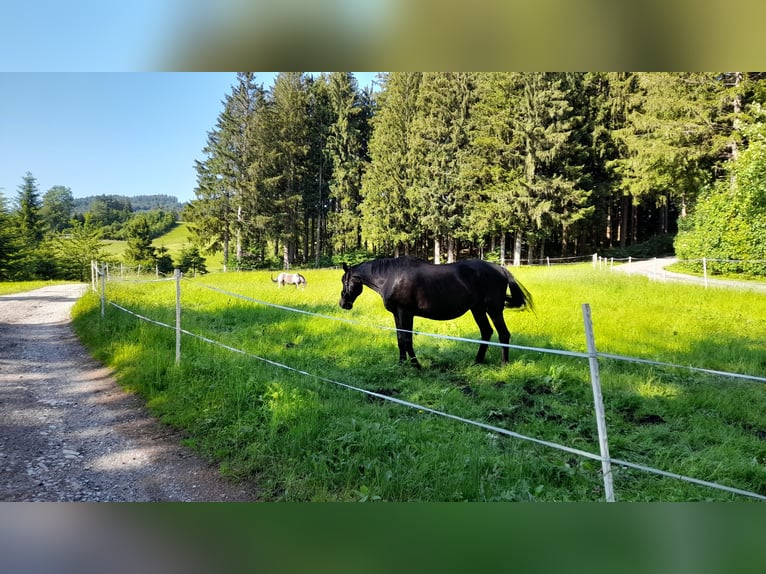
272, 278
520, 297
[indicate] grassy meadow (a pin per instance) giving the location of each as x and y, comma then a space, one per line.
305, 438
174, 241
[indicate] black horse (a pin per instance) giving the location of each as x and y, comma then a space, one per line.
411, 286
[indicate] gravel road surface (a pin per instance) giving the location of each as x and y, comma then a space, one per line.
68, 432
655, 269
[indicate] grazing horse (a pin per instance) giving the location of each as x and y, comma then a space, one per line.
411, 286
290, 279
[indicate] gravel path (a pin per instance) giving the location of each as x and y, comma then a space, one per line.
655, 269
68, 432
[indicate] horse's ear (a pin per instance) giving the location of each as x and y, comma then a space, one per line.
345, 266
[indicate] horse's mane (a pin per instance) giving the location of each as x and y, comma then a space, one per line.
384, 266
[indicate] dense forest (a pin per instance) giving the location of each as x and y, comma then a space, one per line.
137, 202
515, 166
506, 166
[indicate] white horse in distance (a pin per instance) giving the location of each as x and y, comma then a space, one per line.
290, 279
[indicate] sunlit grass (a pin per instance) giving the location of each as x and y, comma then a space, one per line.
304, 438
9, 287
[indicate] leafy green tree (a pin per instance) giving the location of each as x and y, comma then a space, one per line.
608, 100
109, 212
729, 220
74, 250
57, 208
254, 214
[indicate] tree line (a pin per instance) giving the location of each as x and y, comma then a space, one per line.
48, 237
442, 165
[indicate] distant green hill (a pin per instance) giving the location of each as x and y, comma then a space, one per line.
174, 241
137, 202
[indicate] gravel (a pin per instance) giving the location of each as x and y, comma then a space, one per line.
68, 432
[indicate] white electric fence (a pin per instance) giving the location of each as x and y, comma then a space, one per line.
592, 355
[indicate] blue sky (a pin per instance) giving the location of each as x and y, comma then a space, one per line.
110, 133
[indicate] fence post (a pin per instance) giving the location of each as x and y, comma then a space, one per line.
595, 260
598, 400
103, 289
177, 273
704, 269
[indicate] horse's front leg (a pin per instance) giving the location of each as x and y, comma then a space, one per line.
404, 322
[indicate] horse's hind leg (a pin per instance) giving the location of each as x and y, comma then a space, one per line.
480, 316
503, 334
404, 324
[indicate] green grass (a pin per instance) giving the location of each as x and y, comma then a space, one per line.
174, 241
9, 287
302, 438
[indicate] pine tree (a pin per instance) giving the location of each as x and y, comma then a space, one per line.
440, 128
346, 151
289, 177
543, 127
225, 178
11, 244
671, 143
491, 165
140, 250
28, 214
389, 220
609, 97
317, 201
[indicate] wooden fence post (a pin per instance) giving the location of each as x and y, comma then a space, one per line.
598, 401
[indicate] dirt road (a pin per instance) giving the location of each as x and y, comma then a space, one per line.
68, 432
655, 269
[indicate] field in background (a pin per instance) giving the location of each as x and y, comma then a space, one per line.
304, 438
174, 241
8, 287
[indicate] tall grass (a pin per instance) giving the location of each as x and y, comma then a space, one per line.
303, 438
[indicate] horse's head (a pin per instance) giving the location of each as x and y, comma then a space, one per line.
352, 288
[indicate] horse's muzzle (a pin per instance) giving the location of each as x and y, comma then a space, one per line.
345, 304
